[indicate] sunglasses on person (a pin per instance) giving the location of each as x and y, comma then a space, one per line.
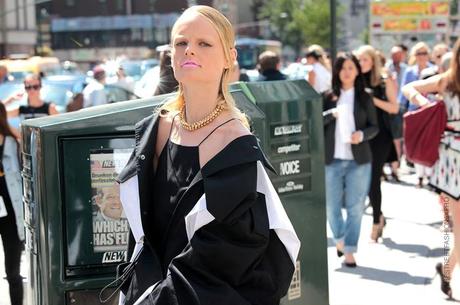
30, 87
421, 53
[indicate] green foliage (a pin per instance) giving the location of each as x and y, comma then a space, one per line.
299, 22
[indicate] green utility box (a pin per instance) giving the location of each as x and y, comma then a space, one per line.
292, 137
76, 230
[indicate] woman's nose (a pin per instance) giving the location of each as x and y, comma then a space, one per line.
189, 50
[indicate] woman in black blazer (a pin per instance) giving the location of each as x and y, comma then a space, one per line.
349, 123
207, 225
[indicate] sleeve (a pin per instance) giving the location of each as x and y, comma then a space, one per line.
233, 259
328, 116
372, 128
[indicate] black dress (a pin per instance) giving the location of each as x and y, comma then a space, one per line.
31, 112
177, 166
204, 235
12, 245
382, 147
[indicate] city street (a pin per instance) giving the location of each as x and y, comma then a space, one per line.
399, 269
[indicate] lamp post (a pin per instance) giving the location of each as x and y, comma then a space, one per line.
333, 8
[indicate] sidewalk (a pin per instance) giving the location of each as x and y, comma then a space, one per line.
399, 269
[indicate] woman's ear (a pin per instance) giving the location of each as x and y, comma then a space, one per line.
233, 56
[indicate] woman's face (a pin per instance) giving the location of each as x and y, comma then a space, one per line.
348, 73
32, 87
311, 60
366, 63
422, 56
197, 53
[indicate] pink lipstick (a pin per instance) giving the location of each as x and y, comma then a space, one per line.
189, 64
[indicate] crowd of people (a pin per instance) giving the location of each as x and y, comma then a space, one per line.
364, 105
364, 99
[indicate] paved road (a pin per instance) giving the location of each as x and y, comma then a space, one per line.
398, 270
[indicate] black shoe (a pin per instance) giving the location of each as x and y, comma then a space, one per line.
445, 285
350, 265
339, 253
420, 183
395, 177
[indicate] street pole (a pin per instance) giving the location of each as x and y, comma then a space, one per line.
3, 30
333, 52
129, 7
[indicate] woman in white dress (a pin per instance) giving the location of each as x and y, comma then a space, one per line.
446, 172
320, 76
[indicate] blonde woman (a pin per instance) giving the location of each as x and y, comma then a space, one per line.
207, 225
384, 92
446, 172
320, 76
418, 61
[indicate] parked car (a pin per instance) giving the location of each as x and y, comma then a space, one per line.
60, 90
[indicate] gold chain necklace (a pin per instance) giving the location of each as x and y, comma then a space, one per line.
201, 123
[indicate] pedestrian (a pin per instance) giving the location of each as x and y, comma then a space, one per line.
350, 121
11, 209
94, 93
195, 191
405, 50
123, 81
383, 89
446, 174
445, 62
320, 76
269, 67
36, 107
397, 67
167, 82
419, 60
438, 52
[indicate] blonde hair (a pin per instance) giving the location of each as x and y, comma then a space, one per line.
376, 70
227, 38
417, 47
453, 74
322, 55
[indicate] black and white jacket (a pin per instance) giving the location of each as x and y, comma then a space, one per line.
229, 240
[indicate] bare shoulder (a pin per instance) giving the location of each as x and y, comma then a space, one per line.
221, 138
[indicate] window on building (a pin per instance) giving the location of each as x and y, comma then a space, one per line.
120, 5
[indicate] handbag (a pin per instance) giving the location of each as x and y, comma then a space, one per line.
423, 129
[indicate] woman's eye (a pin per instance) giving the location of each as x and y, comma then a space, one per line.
204, 44
181, 43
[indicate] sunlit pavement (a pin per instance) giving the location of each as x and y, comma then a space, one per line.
400, 268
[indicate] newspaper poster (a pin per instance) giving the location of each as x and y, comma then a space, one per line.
110, 225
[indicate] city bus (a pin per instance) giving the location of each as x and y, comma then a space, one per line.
249, 50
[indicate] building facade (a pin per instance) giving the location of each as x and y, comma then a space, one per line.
18, 31
89, 30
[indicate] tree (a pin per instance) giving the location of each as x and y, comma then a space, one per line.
299, 22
